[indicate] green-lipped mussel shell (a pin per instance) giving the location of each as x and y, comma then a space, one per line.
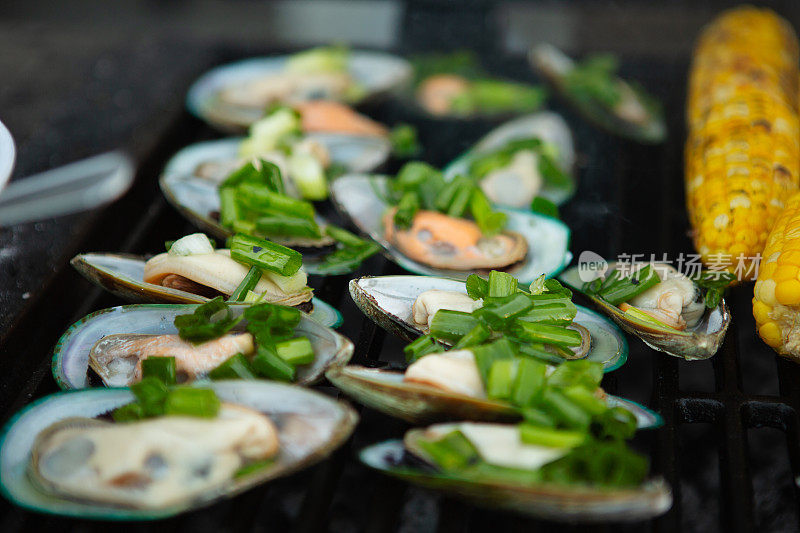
550, 501
196, 197
310, 427
70, 363
385, 391
699, 342
377, 73
553, 65
123, 274
361, 198
388, 301
545, 125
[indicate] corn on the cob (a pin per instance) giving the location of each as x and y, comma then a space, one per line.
743, 148
776, 298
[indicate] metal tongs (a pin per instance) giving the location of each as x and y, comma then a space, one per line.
75, 187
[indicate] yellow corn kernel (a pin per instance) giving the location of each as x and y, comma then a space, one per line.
776, 296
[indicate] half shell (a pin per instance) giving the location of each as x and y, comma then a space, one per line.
552, 502
361, 198
388, 301
123, 274
377, 73
310, 425
71, 363
196, 197
385, 391
698, 342
553, 65
547, 126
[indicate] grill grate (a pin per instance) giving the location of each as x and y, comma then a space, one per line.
712, 448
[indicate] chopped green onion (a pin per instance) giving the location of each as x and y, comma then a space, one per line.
630, 286
297, 351
413, 174
244, 226
501, 284
347, 258
267, 176
537, 417
344, 237
529, 382
476, 335
151, 394
266, 255
247, 284
545, 207
421, 346
128, 413
546, 333
162, 368
450, 452
553, 310
477, 287
189, 401
229, 212
450, 326
406, 210
564, 410
586, 374
404, 141
235, 367
259, 199
246, 470
489, 222
454, 197
497, 312
586, 400
501, 379
552, 438
288, 226
540, 352
209, 321
617, 423
487, 354
267, 364
638, 314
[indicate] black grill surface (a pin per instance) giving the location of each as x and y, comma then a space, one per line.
730, 444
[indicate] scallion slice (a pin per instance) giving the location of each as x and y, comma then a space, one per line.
190, 401
247, 284
265, 254
297, 351
235, 367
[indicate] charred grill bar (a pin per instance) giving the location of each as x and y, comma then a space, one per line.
730, 445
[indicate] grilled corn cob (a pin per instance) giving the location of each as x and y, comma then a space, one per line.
776, 298
743, 148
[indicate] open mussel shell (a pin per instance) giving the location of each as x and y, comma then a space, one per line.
361, 198
547, 126
549, 501
388, 301
385, 391
70, 363
378, 73
699, 342
123, 274
310, 427
356, 153
553, 65
196, 197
